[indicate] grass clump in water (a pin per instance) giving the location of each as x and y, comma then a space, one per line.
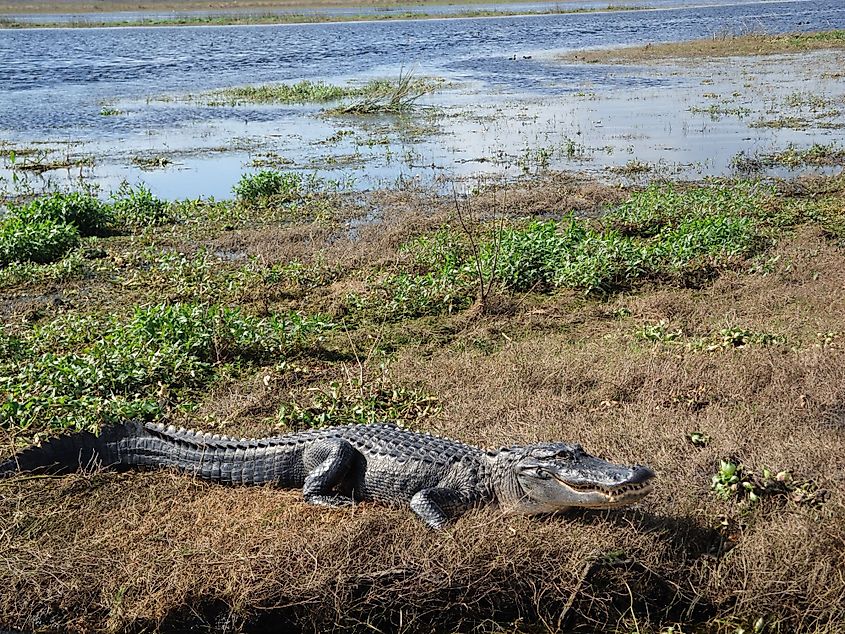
83, 371
305, 91
388, 97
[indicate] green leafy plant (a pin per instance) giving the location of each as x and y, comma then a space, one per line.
359, 399
269, 186
79, 372
85, 212
733, 480
658, 332
136, 207
35, 241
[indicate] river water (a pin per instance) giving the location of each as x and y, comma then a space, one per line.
509, 95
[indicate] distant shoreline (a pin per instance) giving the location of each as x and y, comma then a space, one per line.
236, 19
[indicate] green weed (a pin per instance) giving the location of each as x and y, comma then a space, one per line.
658, 332
84, 211
35, 241
81, 372
269, 187
136, 207
359, 399
734, 481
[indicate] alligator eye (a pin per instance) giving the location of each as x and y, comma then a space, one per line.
542, 473
564, 453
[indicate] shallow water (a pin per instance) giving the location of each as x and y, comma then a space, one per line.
512, 107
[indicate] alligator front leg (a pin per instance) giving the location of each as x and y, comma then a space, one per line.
438, 506
327, 464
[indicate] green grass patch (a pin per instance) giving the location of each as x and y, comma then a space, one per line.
305, 91
80, 372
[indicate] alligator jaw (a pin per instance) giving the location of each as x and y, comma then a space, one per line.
594, 495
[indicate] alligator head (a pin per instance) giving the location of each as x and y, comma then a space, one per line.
550, 477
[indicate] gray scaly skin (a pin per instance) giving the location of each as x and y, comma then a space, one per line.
439, 479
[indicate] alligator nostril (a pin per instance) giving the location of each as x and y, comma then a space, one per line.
642, 474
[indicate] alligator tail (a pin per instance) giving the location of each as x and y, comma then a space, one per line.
112, 448
136, 444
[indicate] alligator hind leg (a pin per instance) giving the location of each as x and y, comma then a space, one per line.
327, 464
438, 506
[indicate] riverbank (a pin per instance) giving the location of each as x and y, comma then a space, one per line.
694, 328
297, 15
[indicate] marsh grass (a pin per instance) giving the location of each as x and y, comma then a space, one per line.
720, 45
305, 91
793, 157
294, 17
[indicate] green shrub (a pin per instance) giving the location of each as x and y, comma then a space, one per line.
601, 262
137, 207
88, 214
269, 186
39, 241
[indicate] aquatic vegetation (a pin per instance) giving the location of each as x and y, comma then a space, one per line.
305, 91
389, 97
793, 157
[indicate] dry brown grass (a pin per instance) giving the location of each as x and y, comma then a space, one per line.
715, 47
158, 551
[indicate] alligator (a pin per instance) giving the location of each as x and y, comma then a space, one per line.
440, 479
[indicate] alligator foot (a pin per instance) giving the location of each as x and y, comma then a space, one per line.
437, 506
